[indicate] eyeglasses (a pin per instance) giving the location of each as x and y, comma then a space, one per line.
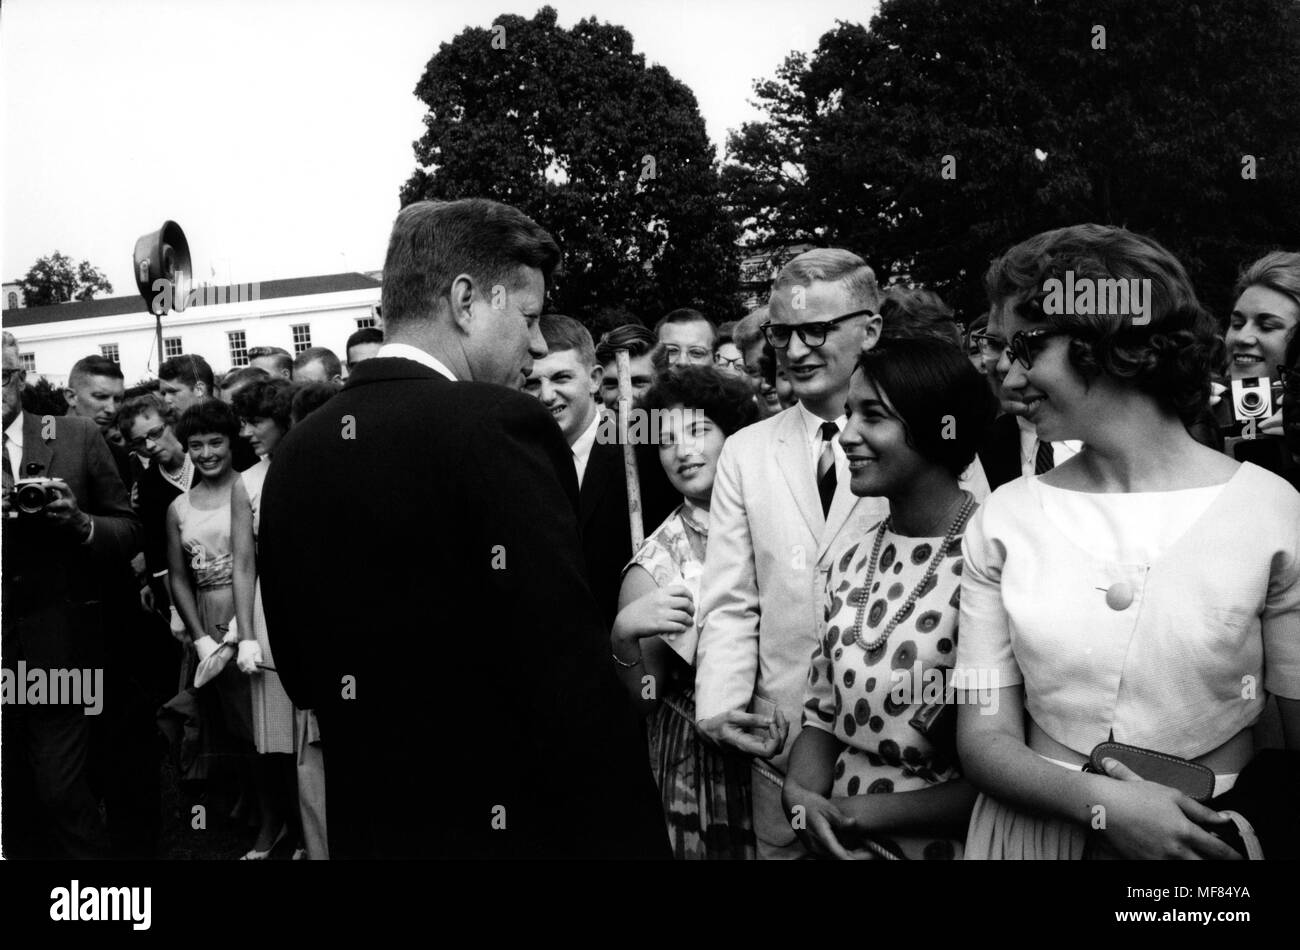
810, 334
1024, 347
990, 346
153, 435
9, 374
697, 353
723, 363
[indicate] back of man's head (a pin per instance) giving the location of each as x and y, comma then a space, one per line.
317, 364
913, 313
434, 242
362, 345
188, 369
274, 359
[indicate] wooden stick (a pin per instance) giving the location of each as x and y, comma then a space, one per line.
624, 363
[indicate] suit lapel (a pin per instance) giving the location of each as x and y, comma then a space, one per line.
35, 448
793, 460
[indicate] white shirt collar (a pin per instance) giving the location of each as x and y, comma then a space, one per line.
15, 430
812, 423
581, 447
407, 352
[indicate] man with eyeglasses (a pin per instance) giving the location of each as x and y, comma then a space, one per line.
1012, 448
781, 512
688, 337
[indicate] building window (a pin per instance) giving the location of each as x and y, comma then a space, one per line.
109, 352
171, 347
365, 322
27, 361
301, 338
238, 348
13, 300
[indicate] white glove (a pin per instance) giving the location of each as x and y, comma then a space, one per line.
206, 646
250, 656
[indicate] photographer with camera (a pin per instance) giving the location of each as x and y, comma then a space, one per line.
68, 530
1263, 323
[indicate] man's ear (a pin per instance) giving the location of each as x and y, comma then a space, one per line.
461, 297
597, 374
872, 333
201, 388
70, 395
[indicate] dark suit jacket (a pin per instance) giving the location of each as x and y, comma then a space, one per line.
447, 637
54, 586
606, 531
1000, 451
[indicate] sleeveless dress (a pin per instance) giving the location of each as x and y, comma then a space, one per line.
272, 710
224, 702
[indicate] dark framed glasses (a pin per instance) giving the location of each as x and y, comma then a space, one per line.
989, 345
1026, 344
811, 334
10, 373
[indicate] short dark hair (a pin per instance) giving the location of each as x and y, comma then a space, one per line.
211, 415
321, 354
687, 315
910, 313
1170, 357
243, 375
433, 242
937, 392
93, 366
565, 333
136, 406
726, 400
189, 369
308, 397
364, 335
265, 399
636, 339
283, 362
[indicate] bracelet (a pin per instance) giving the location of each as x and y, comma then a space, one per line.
626, 666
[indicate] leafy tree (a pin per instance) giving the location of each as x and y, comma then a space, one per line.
609, 155
56, 279
1037, 126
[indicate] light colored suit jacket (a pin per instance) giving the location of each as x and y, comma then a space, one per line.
770, 550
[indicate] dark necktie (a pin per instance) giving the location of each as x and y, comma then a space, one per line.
826, 466
1044, 461
8, 472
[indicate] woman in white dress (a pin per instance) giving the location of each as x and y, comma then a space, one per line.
263, 408
1145, 591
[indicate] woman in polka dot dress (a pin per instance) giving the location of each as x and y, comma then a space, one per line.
877, 718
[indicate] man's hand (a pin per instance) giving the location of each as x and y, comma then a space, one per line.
65, 514
729, 729
816, 820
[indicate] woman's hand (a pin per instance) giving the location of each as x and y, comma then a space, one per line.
816, 820
665, 610
249, 656
1272, 425
1146, 820
729, 729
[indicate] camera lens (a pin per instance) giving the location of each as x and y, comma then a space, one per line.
1251, 402
31, 498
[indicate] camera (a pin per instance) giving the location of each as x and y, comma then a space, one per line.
29, 496
1252, 399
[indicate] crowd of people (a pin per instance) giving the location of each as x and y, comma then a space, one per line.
878, 584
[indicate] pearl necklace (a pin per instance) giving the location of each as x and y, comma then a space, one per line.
959, 522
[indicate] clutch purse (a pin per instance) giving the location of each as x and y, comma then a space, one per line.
1192, 779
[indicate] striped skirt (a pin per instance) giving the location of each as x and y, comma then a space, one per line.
705, 791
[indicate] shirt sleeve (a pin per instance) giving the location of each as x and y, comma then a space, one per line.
984, 654
1280, 621
819, 710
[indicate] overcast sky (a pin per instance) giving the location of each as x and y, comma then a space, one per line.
278, 132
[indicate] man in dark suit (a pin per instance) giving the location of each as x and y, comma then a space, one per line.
567, 381
468, 706
59, 566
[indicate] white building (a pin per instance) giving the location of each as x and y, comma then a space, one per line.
221, 327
